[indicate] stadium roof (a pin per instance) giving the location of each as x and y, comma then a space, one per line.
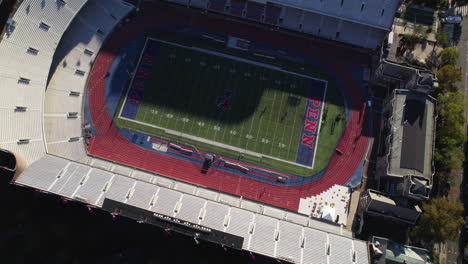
391, 252
413, 124
378, 14
265, 230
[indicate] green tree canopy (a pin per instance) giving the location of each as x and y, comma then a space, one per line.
450, 135
448, 76
448, 56
442, 38
440, 220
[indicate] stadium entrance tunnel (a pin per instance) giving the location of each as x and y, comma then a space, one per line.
7, 165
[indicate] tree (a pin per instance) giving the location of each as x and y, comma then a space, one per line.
440, 221
448, 75
450, 137
448, 56
442, 37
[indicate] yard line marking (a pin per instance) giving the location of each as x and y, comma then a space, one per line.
278, 121
287, 113
251, 125
262, 84
145, 111
294, 129
272, 107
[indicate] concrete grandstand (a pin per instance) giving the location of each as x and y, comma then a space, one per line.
360, 23
56, 57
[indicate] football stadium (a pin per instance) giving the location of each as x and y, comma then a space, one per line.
243, 123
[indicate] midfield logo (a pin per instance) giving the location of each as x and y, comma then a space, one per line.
224, 102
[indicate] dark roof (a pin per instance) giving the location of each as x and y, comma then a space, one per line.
414, 135
419, 186
426, 79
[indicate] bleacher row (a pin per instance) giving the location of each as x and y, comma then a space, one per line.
27, 48
266, 230
65, 92
29, 45
297, 19
262, 12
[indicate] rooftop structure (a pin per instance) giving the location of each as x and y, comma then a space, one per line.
409, 143
386, 251
405, 76
396, 209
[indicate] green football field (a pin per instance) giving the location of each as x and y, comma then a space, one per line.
228, 105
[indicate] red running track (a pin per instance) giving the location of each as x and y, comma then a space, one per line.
110, 144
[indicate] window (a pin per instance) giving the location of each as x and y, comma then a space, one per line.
362, 6
24, 80
44, 26
20, 109
337, 35
33, 51
72, 115
300, 26
61, 2
88, 52
383, 12
79, 72
342, 2
23, 141
73, 93
73, 139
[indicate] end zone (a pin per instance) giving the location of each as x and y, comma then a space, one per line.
312, 121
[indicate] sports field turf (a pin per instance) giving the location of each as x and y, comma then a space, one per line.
232, 104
